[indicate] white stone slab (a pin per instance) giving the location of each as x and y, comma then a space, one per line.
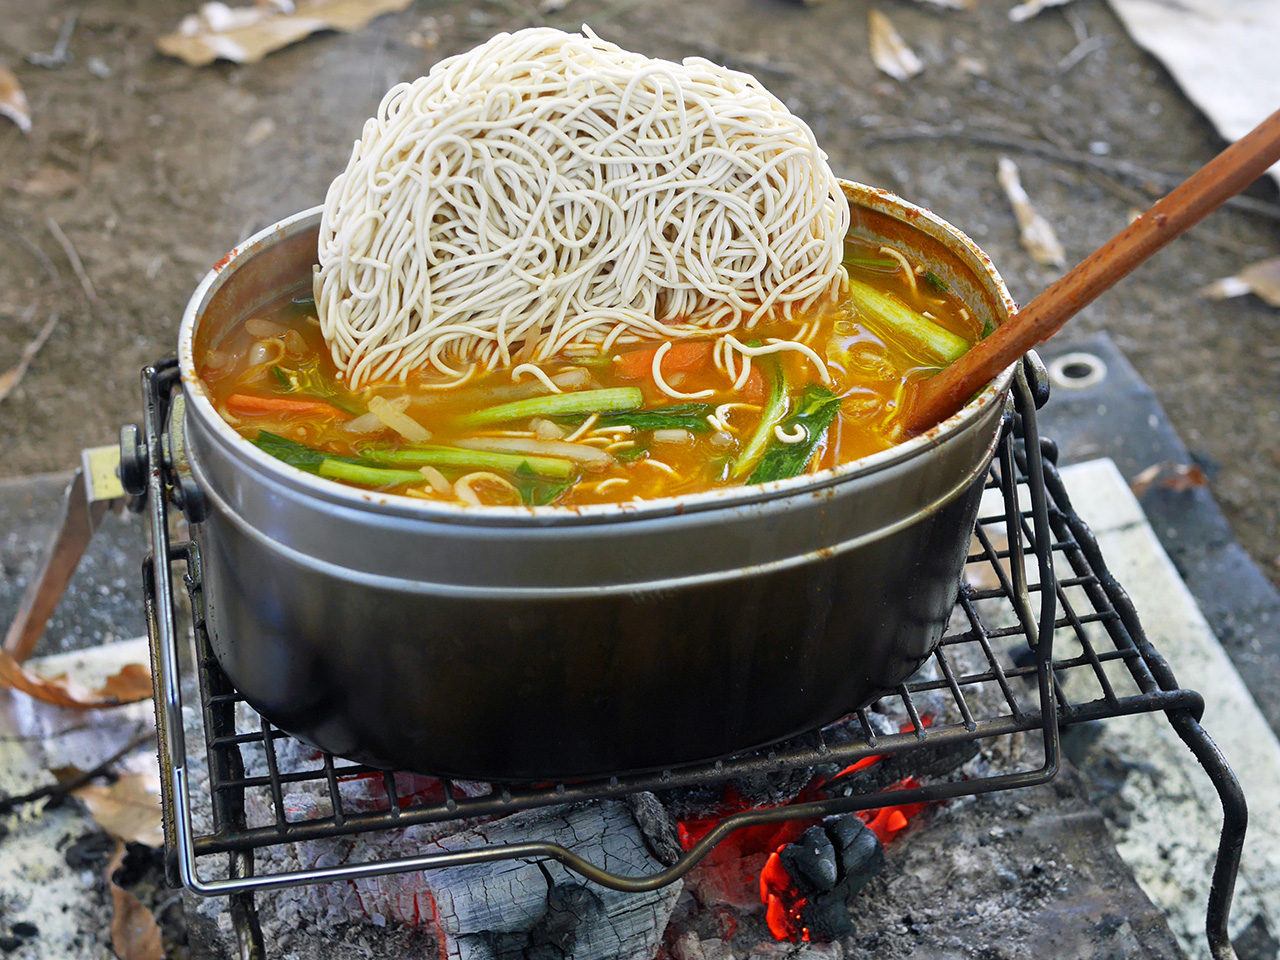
1172, 835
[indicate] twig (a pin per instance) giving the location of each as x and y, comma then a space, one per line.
1108, 165
65, 242
9, 379
12, 233
75, 783
58, 55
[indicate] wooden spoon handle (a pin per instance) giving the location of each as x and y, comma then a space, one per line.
1203, 192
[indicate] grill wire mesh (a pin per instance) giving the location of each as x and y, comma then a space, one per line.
991, 677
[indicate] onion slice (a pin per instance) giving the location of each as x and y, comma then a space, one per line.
398, 420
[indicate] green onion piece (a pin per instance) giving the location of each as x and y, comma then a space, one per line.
296, 454
893, 319
554, 467
681, 416
818, 406
936, 281
612, 400
774, 410
282, 379
535, 492
629, 454
367, 476
880, 266
988, 327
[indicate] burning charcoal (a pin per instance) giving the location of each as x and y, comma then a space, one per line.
660, 833
807, 885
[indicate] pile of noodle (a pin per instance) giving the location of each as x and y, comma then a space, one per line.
550, 192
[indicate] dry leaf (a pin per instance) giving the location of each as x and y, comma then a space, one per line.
135, 935
129, 809
1261, 278
13, 102
1036, 234
13, 376
1027, 10
1169, 476
888, 50
127, 686
247, 34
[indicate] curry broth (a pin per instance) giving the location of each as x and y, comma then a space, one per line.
262, 372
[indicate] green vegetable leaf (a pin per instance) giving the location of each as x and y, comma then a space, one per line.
936, 281
298, 454
818, 406
775, 409
630, 454
681, 416
533, 490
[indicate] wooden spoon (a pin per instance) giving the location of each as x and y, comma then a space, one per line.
1207, 189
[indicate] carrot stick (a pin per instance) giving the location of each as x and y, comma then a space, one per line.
681, 358
247, 405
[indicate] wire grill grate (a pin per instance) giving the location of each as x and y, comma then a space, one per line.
1040, 635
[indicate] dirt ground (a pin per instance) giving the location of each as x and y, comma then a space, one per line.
148, 170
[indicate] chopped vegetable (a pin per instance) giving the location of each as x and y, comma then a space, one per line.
881, 266
557, 405
895, 321
247, 405
680, 416
630, 454
535, 492
581, 452
393, 416
683, 357
308, 379
296, 454
336, 469
775, 409
818, 406
988, 327
936, 281
553, 467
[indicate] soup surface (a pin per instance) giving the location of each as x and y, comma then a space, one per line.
588, 428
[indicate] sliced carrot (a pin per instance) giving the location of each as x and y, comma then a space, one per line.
753, 390
247, 405
681, 358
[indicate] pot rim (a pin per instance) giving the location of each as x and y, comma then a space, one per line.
199, 404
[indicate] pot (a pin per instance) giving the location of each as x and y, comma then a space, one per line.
546, 643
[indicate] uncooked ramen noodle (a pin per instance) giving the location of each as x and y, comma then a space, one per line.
557, 273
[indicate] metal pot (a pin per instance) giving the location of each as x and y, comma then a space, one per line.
552, 643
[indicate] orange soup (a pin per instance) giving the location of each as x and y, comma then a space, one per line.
643, 420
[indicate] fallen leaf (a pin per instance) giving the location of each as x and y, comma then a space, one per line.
124, 687
1036, 234
1261, 278
247, 34
261, 130
13, 102
1169, 476
49, 181
135, 935
1027, 10
951, 4
128, 809
889, 52
13, 376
